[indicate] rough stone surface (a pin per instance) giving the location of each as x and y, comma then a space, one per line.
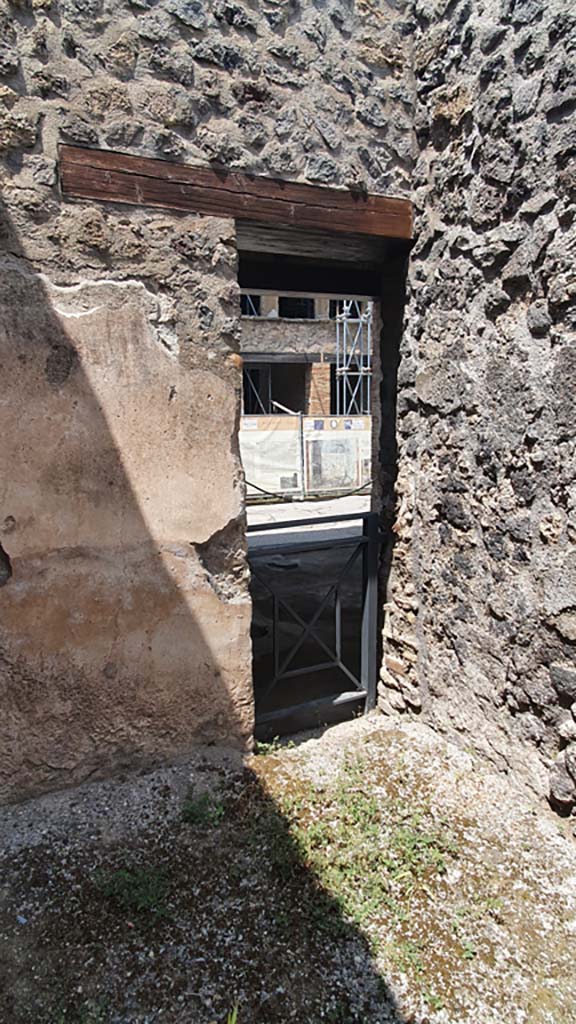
482, 596
295, 336
229, 80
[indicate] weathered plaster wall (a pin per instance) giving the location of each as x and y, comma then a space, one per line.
481, 626
124, 628
124, 610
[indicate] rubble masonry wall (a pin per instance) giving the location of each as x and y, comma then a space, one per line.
481, 625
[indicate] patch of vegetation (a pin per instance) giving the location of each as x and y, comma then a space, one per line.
371, 856
407, 955
469, 952
273, 747
434, 1001
203, 810
136, 889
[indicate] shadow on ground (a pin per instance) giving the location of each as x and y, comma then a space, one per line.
206, 902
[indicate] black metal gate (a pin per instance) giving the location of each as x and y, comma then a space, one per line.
314, 590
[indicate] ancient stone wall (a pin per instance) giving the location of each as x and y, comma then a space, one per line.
123, 603
481, 621
124, 610
276, 335
316, 91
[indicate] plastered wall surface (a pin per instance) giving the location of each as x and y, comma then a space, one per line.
124, 609
125, 623
481, 624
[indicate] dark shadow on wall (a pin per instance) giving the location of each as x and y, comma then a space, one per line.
104, 663
104, 666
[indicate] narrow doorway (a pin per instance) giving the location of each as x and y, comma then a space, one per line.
310, 429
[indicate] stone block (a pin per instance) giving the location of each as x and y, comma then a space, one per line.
562, 785
9, 61
122, 56
570, 760
17, 131
322, 169
78, 129
563, 678
192, 13
567, 730
234, 15
538, 318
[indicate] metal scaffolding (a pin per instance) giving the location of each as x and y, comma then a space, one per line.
353, 357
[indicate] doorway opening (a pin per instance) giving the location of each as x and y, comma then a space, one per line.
319, 345
270, 388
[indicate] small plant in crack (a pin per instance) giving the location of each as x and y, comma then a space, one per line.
203, 810
262, 749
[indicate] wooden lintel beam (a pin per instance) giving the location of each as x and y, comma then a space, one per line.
120, 178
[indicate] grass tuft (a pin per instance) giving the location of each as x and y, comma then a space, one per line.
138, 889
203, 811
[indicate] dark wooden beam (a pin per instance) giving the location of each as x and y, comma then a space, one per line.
300, 242
119, 178
287, 357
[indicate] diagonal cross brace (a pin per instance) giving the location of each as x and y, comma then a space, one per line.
307, 628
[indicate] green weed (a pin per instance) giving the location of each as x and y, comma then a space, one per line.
271, 832
408, 957
203, 810
143, 890
434, 1001
468, 950
261, 748
370, 856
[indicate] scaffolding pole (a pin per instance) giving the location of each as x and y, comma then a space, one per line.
354, 358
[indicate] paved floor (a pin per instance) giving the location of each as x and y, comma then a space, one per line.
282, 512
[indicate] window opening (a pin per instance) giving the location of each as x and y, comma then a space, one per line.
296, 308
337, 306
250, 305
257, 390
276, 390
